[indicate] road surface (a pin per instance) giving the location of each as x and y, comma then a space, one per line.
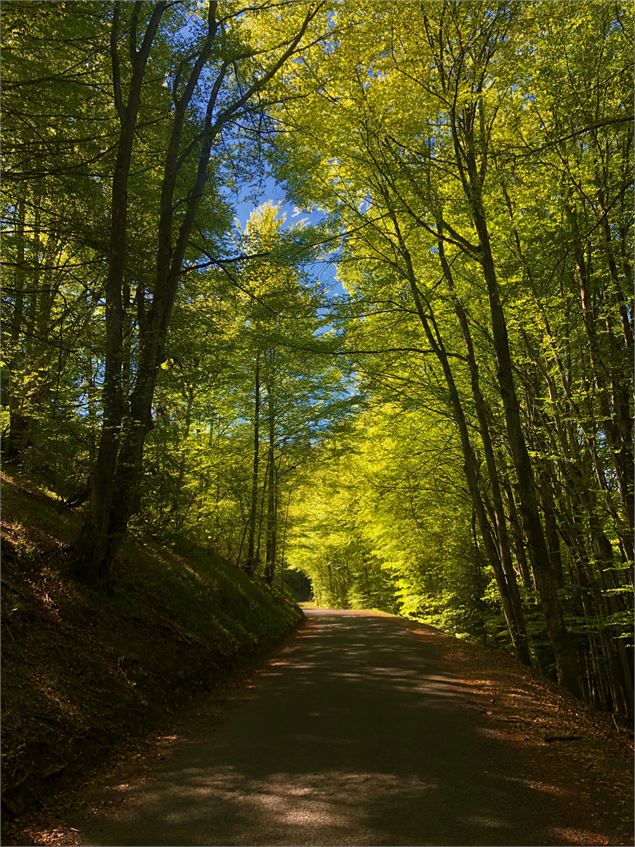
358, 733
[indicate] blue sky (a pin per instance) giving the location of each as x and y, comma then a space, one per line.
248, 199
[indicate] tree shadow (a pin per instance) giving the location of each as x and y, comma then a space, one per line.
355, 734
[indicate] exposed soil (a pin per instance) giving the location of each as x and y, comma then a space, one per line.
48, 821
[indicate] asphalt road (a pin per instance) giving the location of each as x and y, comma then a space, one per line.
356, 734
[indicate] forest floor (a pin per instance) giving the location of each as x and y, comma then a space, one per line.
366, 729
87, 675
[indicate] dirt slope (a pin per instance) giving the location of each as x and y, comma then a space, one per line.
83, 673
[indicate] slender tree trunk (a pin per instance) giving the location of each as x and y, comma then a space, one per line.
563, 647
614, 397
469, 458
18, 425
175, 508
517, 536
250, 564
482, 412
271, 544
261, 511
284, 542
22, 408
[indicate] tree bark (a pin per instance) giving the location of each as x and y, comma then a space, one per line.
470, 465
17, 437
270, 547
119, 463
564, 651
94, 548
250, 564
517, 621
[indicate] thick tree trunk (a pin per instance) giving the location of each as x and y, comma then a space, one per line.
128, 449
470, 132
96, 544
93, 546
118, 471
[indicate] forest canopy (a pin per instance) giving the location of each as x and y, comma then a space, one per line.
339, 288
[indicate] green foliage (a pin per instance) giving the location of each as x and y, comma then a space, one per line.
484, 200
378, 524
450, 435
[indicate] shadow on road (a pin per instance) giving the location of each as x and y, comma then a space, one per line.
356, 734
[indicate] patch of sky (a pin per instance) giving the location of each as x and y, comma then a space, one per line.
246, 197
325, 315
375, 73
246, 193
331, 44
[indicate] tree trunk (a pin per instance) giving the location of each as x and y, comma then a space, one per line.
95, 546
519, 638
564, 650
250, 564
470, 465
119, 463
18, 435
284, 541
270, 549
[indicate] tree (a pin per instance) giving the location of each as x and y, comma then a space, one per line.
448, 430
416, 148
57, 146
118, 466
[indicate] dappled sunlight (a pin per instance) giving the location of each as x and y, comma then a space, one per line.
61, 701
572, 835
340, 801
557, 790
494, 734
359, 664
352, 734
487, 823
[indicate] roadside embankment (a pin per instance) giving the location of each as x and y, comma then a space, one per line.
84, 672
